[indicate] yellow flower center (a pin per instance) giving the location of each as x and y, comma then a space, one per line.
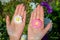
36, 23
22, 39
17, 19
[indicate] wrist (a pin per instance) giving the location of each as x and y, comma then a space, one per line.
13, 38
33, 38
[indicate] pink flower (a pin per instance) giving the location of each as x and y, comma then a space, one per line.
36, 23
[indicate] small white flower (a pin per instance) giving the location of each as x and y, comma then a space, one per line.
24, 37
18, 19
33, 5
5, 1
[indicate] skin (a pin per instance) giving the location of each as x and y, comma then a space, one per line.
37, 34
15, 30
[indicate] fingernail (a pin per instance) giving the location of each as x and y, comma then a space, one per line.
50, 21
38, 5
7, 17
22, 4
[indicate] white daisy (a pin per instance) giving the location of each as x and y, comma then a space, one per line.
24, 37
33, 5
18, 19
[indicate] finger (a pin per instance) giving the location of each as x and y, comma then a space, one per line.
41, 13
47, 28
42, 16
34, 14
7, 21
20, 9
24, 17
16, 11
31, 17
38, 12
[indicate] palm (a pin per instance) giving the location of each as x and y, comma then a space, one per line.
33, 33
13, 28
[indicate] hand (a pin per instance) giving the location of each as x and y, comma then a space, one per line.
37, 34
15, 30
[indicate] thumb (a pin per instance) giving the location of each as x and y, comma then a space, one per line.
7, 21
47, 28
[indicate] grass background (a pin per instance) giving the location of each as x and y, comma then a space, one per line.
9, 8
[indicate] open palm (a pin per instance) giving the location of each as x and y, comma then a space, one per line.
13, 28
33, 33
